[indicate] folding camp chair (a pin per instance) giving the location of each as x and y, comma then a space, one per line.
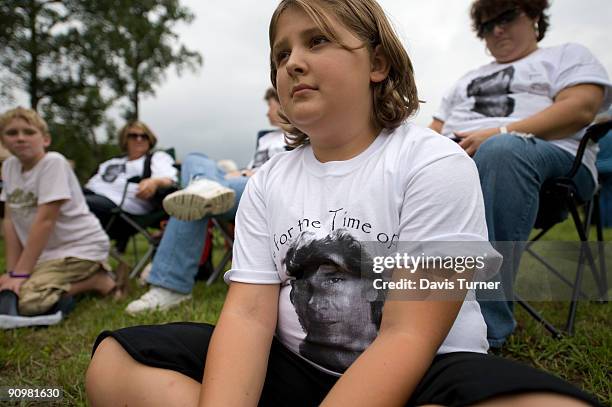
140, 224
226, 230
558, 198
225, 235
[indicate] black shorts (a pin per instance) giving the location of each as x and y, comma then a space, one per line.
454, 379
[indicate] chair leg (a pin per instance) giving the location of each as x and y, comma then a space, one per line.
556, 333
585, 251
143, 261
603, 275
586, 258
228, 253
220, 267
149, 253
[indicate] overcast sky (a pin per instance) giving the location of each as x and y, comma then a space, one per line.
219, 109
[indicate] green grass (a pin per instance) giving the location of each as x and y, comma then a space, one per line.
59, 355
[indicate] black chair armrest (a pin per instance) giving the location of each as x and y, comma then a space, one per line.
594, 132
134, 180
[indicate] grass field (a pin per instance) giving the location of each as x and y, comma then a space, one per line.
59, 355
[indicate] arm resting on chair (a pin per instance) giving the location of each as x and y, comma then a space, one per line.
573, 109
148, 187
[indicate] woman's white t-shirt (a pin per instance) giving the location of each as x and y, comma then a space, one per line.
113, 174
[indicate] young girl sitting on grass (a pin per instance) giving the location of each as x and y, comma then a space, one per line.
295, 329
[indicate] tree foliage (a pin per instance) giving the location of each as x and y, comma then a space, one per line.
77, 58
136, 44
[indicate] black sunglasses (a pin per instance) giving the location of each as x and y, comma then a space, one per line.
501, 20
136, 136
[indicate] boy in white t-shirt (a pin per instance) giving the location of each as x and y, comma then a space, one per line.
54, 245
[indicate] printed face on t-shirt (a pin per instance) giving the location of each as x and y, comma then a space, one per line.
334, 305
112, 172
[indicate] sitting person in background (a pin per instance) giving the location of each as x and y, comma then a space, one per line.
54, 244
209, 191
106, 189
521, 117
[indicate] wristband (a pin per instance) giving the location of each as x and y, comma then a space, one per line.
17, 275
503, 130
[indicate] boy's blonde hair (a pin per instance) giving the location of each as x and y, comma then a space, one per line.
29, 115
123, 134
395, 98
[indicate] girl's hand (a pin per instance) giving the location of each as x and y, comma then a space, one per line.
9, 283
146, 188
471, 141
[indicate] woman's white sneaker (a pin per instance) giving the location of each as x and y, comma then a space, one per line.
200, 198
157, 298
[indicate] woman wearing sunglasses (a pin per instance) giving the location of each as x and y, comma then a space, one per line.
105, 190
521, 117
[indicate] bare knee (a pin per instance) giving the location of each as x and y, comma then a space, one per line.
103, 378
114, 378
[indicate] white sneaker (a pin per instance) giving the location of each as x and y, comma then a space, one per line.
200, 198
157, 298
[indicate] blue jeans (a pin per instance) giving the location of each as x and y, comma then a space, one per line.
512, 170
175, 264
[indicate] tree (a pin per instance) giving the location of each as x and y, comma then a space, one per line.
42, 56
76, 58
136, 44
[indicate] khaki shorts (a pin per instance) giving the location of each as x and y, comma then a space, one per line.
51, 279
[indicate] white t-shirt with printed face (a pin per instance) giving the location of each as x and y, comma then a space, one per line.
299, 223
113, 174
77, 232
496, 95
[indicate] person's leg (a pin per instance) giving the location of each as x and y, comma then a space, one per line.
197, 165
237, 184
175, 264
512, 170
114, 378
207, 193
492, 381
103, 208
99, 282
176, 261
152, 356
52, 279
100, 206
533, 399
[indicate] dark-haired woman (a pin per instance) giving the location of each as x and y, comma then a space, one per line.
521, 117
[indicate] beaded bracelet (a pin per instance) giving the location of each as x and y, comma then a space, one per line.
17, 275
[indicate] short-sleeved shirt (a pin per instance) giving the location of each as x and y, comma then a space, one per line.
299, 220
77, 232
268, 146
113, 174
496, 94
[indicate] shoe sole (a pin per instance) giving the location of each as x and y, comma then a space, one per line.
158, 308
15, 321
188, 206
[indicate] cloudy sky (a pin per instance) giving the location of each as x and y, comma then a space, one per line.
219, 109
